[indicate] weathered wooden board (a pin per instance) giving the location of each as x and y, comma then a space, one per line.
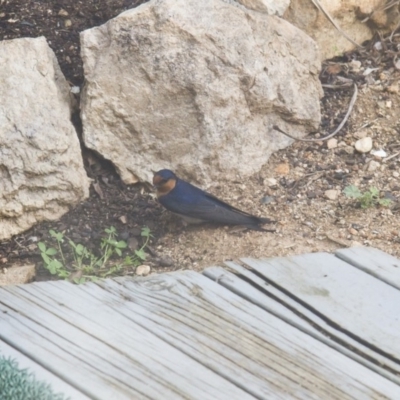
353, 302
228, 333
85, 342
253, 288
175, 336
373, 261
41, 374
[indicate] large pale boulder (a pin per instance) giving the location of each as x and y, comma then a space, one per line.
41, 169
196, 86
347, 14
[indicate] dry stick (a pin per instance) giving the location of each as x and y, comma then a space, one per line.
346, 117
331, 20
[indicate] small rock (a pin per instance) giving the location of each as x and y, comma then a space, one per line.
354, 243
122, 218
16, 275
63, 13
282, 169
67, 23
75, 90
143, 270
397, 64
165, 261
388, 104
331, 194
395, 174
355, 65
348, 150
136, 232
379, 153
267, 199
133, 244
332, 143
270, 182
352, 231
364, 145
373, 166
378, 46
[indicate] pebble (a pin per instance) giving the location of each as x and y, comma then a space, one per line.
270, 182
355, 65
63, 13
133, 244
373, 166
143, 270
364, 145
67, 23
282, 169
332, 143
331, 194
352, 231
267, 200
379, 153
395, 174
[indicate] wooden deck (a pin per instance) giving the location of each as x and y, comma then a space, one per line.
315, 326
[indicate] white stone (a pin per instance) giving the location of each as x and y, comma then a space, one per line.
41, 168
395, 174
379, 153
363, 145
196, 86
270, 182
332, 143
331, 42
143, 270
270, 7
331, 194
355, 65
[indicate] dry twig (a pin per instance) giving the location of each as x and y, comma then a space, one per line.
346, 117
332, 21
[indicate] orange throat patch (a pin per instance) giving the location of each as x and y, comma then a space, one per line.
164, 189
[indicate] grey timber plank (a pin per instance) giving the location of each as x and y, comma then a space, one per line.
373, 261
256, 350
352, 301
253, 288
41, 374
142, 365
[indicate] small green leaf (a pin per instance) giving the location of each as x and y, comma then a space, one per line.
111, 230
352, 191
46, 259
118, 251
51, 251
56, 235
145, 232
79, 249
53, 266
384, 202
141, 254
374, 191
42, 247
121, 244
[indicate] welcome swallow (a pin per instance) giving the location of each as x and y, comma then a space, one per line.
196, 205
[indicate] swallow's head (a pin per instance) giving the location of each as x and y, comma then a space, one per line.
164, 181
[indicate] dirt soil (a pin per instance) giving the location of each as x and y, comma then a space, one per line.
291, 188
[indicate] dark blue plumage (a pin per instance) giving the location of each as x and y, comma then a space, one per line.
195, 204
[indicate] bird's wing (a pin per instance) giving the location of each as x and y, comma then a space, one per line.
210, 208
